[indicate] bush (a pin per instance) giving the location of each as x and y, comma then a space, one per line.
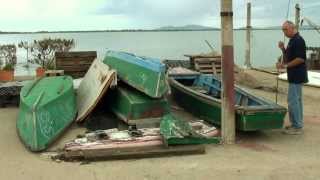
42, 51
8, 56
8, 67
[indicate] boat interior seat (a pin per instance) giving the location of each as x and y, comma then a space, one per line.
244, 101
199, 89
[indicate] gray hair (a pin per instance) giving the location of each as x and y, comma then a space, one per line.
290, 23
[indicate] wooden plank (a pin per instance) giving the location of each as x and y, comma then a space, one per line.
214, 69
54, 73
202, 56
208, 59
129, 153
90, 58
205, 65
92, 88
75, 68
64, 62
75, 62
206, 70
77, 54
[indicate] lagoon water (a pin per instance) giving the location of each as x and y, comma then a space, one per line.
169, 45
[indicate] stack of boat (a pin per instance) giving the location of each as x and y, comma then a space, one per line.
49, 105
139, 97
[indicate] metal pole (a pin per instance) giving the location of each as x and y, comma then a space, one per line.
248, 38
227, 98
297, 16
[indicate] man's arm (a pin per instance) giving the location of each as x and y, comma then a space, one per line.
297, 61
283, 50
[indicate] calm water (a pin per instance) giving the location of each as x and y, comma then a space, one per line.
170, 45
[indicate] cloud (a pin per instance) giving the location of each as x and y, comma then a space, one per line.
122, 14
165, 12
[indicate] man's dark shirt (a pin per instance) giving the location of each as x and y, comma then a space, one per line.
297, 49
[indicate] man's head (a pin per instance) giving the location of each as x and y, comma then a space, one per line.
289, 29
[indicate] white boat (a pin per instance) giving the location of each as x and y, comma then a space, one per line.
93, 86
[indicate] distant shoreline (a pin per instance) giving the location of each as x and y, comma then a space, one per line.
139, 30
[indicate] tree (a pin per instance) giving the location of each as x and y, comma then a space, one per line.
26, 46
42, 51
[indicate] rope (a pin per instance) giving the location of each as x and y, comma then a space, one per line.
288, 9
282, 59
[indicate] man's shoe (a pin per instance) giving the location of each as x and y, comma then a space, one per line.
293, 131
288, 127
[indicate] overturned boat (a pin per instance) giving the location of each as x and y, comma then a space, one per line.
47, 108
144, 74
95, 84
134, 107
200, 94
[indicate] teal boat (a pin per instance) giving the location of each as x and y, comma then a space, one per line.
132, 106
144, 74
200, 94
47, 108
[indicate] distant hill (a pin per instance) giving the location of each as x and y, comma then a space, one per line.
186, 28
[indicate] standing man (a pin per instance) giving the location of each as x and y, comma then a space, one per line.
294, 57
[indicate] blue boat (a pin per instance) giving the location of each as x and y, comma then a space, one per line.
200, 94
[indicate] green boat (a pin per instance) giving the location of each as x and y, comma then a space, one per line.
144, 74
47, 108
200, 95
177, 132
134, 107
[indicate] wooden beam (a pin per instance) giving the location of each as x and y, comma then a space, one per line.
132, 153
228, 92
248, 38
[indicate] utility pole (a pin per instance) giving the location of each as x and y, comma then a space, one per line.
248, 38
297, 16
228, 95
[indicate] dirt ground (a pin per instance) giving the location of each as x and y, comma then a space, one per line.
260, 155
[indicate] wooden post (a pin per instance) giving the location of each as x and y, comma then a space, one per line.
297, 16
248, 38
227, 99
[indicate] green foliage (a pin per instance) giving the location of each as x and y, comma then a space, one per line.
8, 56
8, 67
25, 45
42, 51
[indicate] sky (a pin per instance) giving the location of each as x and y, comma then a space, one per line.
73, 15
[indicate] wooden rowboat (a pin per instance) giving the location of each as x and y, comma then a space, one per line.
200, 95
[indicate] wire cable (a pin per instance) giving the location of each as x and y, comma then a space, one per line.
282, 58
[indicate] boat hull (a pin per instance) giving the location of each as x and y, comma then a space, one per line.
209, 109
47, 108
132, 106
144, 74
95, 84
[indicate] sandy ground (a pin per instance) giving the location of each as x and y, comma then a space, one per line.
259, 155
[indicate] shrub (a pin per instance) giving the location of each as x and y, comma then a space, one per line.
42, 51
8, 56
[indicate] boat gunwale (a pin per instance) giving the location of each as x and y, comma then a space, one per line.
217, 102
147, 62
